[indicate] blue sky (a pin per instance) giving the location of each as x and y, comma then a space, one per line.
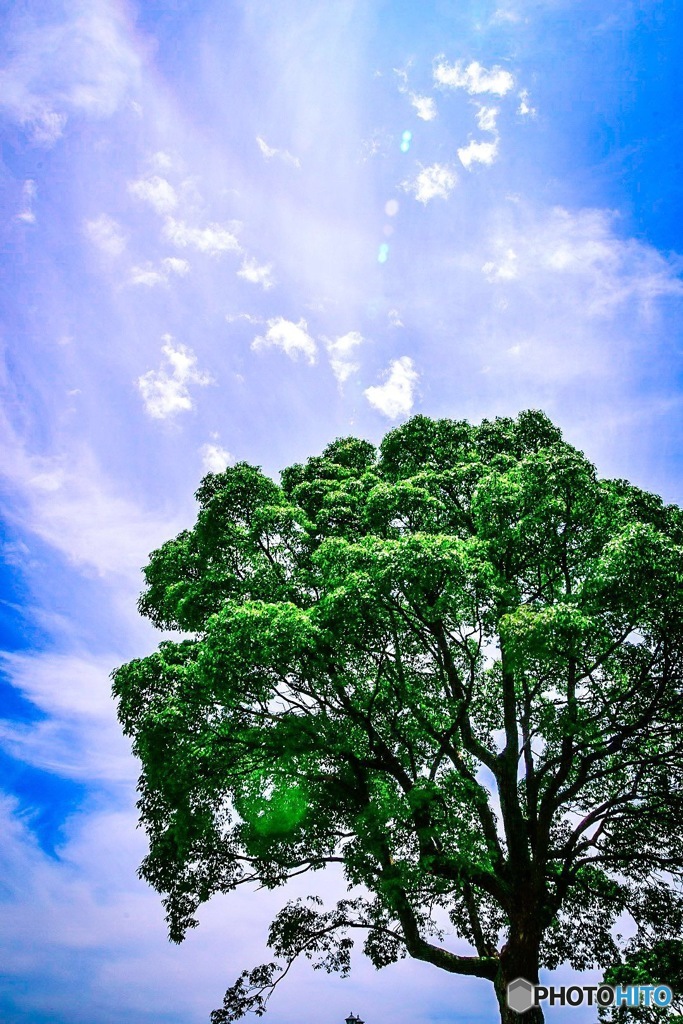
215, 248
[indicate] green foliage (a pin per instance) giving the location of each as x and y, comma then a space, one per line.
656, 962
452, 666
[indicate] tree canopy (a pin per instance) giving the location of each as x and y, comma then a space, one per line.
452, 666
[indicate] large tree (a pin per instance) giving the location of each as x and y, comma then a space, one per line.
454, 668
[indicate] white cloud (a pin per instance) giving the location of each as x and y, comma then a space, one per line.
47, 127
83, 922
149, 275
66, 501
582, 250
214, 239
83, 63
395, 397
525, 108
585, 246
28, 194
505, 15
402, 75
249, 317
504, 270
574, 305
478, 152
174, 265
165, 394
161, 162
474, 78
340, 351
395, 318
79, 738
424, 106
486, 118
282, 154
61, 684
434, 182
215, 458
156, 191
256, 273
290, 337
106, 234
267, 151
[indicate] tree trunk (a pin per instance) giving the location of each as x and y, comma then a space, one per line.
518, 959
508, 1016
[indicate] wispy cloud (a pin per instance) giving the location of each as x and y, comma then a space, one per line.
562, 308
424, 106
379, 141
87, 938
83, 64
71, 505
165, 392
156, 191
161, 161
434, 182
505, 15
28, 194
47, 126
250, 318
292, 338
256, 273
478, 153
569, 251
106, 234
503, 270
574, 305
474, 78
175, 265
214, 239
215, 458
340, 351
79, 738
525, 109
282, 154
402, 75
149, 275
395, 397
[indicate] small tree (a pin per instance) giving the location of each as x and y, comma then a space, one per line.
453, 668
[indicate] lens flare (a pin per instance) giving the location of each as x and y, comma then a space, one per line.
406, 139
383, 253
391, 207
